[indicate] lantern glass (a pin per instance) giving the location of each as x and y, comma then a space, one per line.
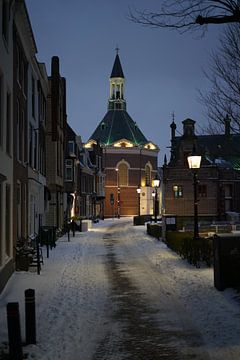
139, 190
156, 182
194, 161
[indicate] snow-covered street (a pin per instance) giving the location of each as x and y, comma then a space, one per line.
116, 293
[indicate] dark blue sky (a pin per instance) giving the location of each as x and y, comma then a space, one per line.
162, 68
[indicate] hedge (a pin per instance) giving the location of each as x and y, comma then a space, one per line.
194, 250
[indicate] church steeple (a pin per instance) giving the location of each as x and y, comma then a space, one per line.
116, 100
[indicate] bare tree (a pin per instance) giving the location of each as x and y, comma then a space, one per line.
185, 15
224, 76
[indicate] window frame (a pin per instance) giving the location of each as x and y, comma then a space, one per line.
177, 191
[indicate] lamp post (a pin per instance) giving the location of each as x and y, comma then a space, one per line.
156, 183
118, 195
139, 193
194, 163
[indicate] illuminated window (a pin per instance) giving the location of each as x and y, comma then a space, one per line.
148, 175
177, 191
123, 174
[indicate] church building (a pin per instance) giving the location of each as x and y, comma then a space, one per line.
130, 159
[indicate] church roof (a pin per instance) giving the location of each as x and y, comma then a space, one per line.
117, 68
117, 125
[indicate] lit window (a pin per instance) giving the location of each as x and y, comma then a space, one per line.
177, 191
147, 175
123, 174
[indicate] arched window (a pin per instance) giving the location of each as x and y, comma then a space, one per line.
148, 175
122, 174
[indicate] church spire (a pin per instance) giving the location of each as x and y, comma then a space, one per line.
116, 100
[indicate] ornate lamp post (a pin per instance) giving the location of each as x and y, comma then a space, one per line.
139, 193
194, 163
156, 183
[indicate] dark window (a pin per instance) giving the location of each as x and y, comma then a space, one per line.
18, 63
228, 191
1, 217
177, 191
8, 220
71, 148
8, 124
5, 19
35, 150
68, 170
30, 145
202, 190
33, 97
1, 112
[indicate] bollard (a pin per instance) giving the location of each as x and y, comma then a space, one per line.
68, 232
47, 244
73, 228
14, 331
30, 316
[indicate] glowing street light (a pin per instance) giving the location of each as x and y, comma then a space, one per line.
156, 183
194, 163
139, 193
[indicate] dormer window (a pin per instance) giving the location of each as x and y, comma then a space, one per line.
102, 126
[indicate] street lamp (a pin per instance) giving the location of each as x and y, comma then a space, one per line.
118, 195
194, 163
156, 183
139, 192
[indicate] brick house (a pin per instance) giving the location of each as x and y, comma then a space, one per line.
55, 140
130, 160
218, 176
71, 175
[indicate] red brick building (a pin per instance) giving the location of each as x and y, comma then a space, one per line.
130, 160
219, 176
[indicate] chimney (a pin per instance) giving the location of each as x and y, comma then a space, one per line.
227, 122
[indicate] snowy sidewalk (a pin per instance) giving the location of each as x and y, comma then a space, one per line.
71, 297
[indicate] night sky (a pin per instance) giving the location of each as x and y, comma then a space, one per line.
162, 68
